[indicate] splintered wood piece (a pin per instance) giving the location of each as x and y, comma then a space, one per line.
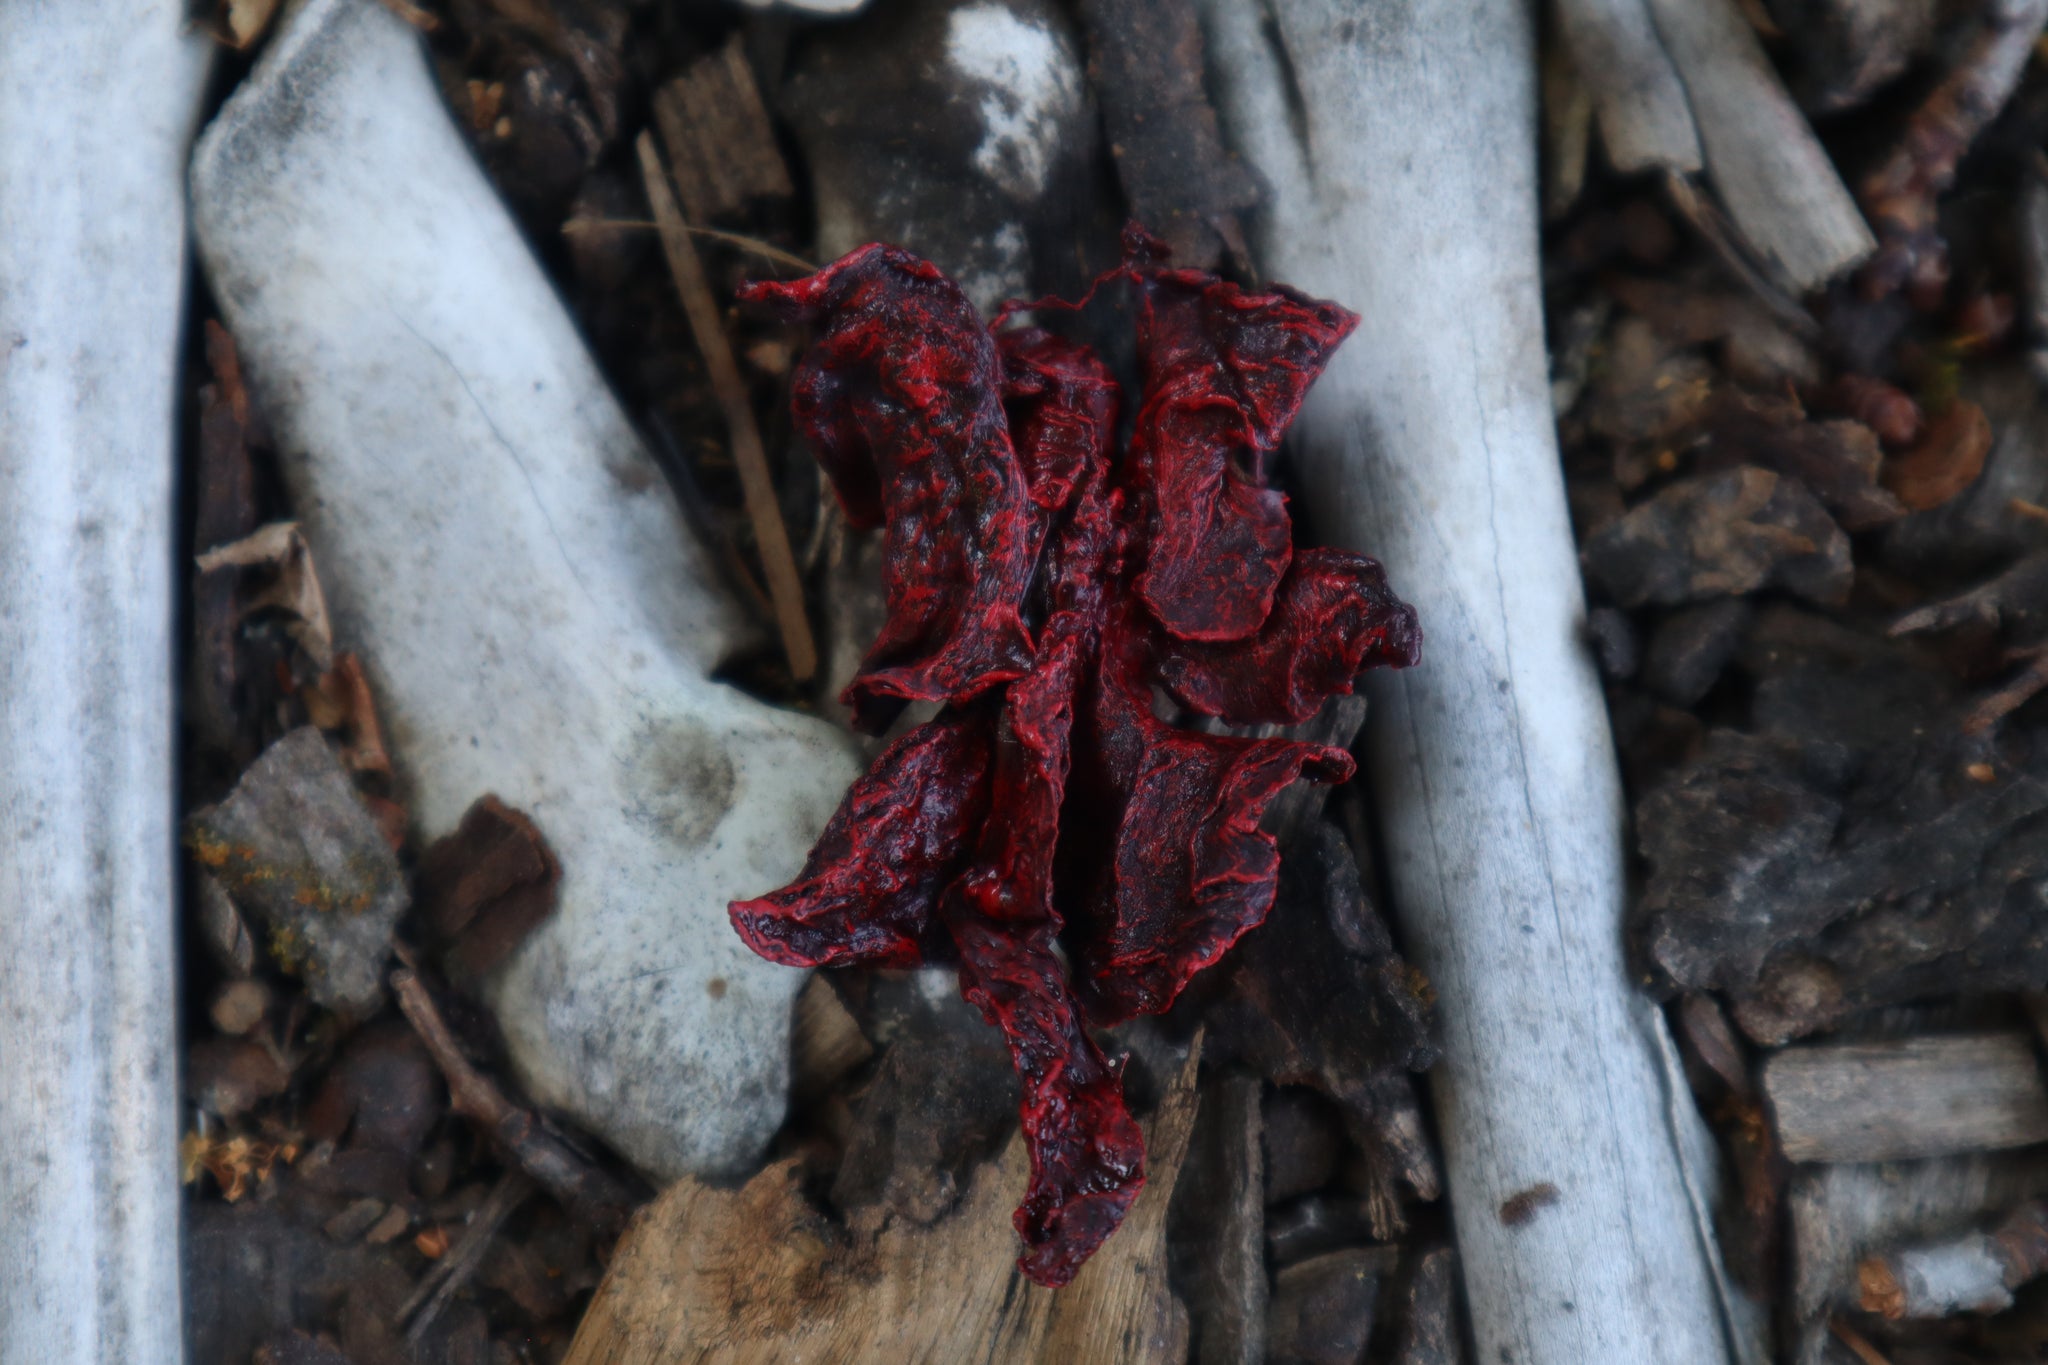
1780, 187
1840, 1214
1220, 1224
720, 143
1645, 121
1910, 1097
771, 537
1973, 1273
757, 1275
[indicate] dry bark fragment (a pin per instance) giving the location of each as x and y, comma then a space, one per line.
1843, 51
1945, 461
756, 1275
1849, 850
1145, 61
1902, 194
1905, 1098
485, 887
1838, 461
1720, 535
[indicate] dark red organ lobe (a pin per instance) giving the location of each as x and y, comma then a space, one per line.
1224, 373
1041, 589
901, 397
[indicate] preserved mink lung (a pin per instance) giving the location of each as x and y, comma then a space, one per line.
1041, 587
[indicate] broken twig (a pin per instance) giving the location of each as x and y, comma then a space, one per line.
771, 537
1901, 195
581, 1187
453, 1270
1974, 1273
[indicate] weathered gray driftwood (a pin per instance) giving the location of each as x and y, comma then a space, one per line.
1402, 178
97, 102
1645, 120
1682, 84
1840, 1214
1781, 189
537, 620
1896, 1099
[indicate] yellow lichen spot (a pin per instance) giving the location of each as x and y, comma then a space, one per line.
212, 852
1418, 985
192, 1150
288, 949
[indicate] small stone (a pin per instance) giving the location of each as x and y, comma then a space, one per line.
383, 1093
1322, 1309
355, 1220
1616, 646
240, 1006
228, 1076
1689, 649
390, 1227
1303, 1139
294, 845
944, 1094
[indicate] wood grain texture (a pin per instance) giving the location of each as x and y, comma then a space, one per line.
97, 104
1904, 1098
1645, 121
1779, 185
1399, 144
757, 1275
1839, 1214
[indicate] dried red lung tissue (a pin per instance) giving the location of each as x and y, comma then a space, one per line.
1078, 858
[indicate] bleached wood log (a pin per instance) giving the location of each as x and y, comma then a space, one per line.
1401, 168
537, 620
757, 1276
97, 103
